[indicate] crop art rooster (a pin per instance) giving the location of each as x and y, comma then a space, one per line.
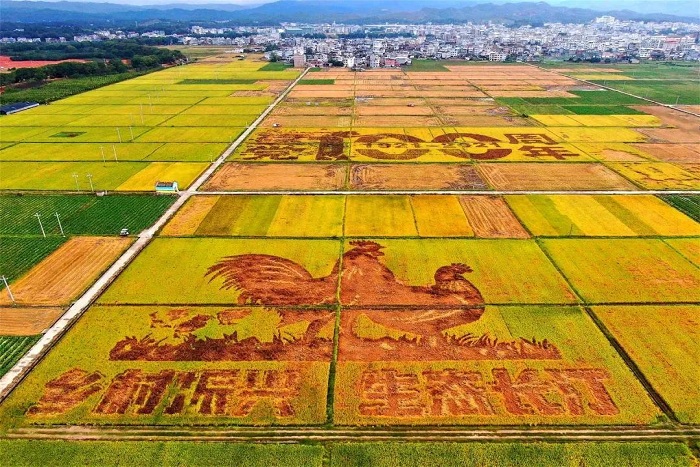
365, 281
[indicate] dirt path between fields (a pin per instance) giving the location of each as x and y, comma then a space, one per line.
305, 434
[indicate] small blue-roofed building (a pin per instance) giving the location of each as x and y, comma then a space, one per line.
8, 109
166, 187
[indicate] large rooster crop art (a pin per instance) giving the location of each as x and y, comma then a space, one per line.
283, 312
364, 281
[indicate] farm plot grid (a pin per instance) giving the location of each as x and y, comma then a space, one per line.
164, 126
349, 310
390, 130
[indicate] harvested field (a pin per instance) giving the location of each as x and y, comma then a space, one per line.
66, 272
670, 135
490, 217
671, 118
485, 121
235, 176
28, 321
552, 176
310, 110
292, 121
670, 152
394, 110
454, 110
664, 342
527, 94
415, 177
396, 121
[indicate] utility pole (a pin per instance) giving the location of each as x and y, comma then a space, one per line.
58, 218
142, 114
119, 134
89, 176
75, 176
114, 150
41, 226
7, 286
131, 130
102, 151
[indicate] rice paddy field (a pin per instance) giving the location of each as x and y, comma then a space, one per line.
164, 126
442, 253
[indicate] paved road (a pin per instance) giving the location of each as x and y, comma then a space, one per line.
455, 192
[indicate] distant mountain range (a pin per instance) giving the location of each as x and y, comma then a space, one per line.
349, 11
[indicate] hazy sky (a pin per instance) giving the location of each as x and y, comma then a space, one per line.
641, 5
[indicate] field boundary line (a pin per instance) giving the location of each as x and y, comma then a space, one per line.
364, 434
449, 192
653, 394
17, 373
590, 83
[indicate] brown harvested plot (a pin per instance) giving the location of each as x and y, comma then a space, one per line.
190, 216
27, 321
300, 93
235, 176
671, 118
394, 110
552, 176
485, 121
671, 135
415, 177
296, 121
529, 94
491, 217
388, 101
396, 121
446, 110
485, 101
311, 110
65, 273
671, 152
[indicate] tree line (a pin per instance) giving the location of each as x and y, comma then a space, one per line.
140, 58
114, 49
